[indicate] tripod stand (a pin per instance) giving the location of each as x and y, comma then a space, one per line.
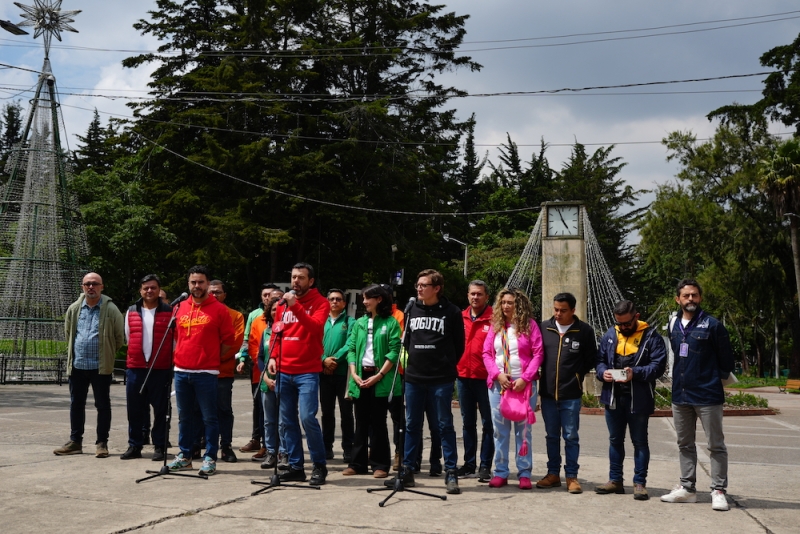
398, 484
275, 479
164, 471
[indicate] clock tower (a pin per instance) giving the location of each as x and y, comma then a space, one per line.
563, 255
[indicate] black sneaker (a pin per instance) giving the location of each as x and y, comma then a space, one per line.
318, 475
484, 474
347, 457
466, 471
283, 461
270, 461
158, 454
329, 454
451, 480
407, 476
146, 439
227, 455
131, 453
293, 475
196, 454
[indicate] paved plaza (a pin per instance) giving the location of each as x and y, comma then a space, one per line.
45, 493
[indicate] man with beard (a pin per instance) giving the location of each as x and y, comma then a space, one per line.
203, 332
703, 358
297, 360
636, 349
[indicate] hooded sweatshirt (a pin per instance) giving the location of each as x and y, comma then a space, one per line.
299, 349
201, 329
435, 342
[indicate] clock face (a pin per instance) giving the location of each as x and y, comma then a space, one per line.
562, 221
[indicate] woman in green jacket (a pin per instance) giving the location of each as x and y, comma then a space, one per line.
373, 349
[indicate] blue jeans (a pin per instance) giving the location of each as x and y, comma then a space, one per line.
442, 397
79, 382
200, 388
300, 392
562, 417
156, 394
225, 410
273, 430
472, 393
502, 435
618, 420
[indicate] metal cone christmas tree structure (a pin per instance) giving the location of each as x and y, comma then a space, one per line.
42, 239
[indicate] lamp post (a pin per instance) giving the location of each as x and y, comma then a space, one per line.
466, 248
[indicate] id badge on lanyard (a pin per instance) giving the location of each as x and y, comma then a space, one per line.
684, 350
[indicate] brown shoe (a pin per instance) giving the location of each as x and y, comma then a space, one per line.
380, 473
102, 450
260, 455
549, 481
396, 463
71, 447
252, 446
573, 486
349, 471
612, 486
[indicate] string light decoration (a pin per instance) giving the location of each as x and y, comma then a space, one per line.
42, 239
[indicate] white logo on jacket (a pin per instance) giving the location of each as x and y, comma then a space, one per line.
435, 324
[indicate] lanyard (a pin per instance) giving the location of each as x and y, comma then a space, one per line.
690, 326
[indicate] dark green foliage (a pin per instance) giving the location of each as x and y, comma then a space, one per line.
11, 125
335, 101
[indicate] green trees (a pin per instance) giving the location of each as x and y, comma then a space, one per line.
335, 101
11, 124
717, 226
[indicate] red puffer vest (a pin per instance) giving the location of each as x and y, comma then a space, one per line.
135, 352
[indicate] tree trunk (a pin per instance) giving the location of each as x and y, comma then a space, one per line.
794, 364
745, 363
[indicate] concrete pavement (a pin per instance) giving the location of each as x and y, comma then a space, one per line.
46, 493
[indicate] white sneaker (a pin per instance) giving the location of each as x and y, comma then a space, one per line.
680, 494
719, 501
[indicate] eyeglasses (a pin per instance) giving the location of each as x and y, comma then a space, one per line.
335, 299
422, 286
626, 324
92, 284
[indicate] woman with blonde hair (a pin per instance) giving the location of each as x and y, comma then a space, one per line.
512, 354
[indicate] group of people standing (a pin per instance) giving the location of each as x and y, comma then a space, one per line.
306, 351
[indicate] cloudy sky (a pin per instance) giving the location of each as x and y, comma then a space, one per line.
523, 46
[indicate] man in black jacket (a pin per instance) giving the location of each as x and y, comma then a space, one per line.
435, 342
569, 352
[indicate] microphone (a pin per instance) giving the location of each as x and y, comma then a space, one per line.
180, 299
283, 300
411, 302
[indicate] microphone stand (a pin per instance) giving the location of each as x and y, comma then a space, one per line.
397, 485
275, 479
164, 471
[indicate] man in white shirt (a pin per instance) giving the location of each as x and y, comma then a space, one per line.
145, 328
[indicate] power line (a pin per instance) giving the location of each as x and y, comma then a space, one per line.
362, 51
332, 204
130, 118
317, 97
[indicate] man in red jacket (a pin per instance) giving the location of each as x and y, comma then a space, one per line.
471, 383
203, 332
145, 328
297, 360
